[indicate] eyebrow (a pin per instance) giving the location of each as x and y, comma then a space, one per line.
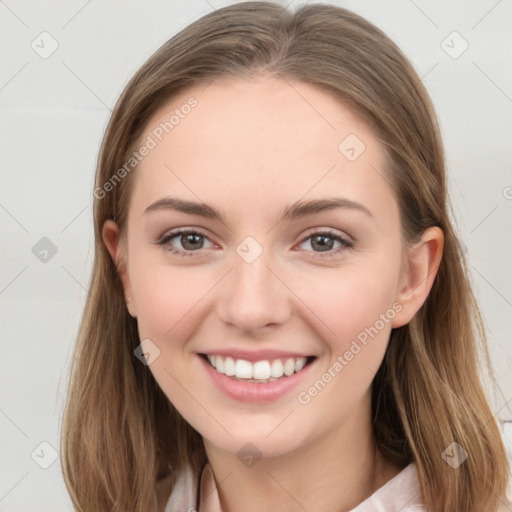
296, 210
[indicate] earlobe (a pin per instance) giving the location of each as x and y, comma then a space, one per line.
420, 270
111, 238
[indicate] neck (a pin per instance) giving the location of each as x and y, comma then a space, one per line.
333, 473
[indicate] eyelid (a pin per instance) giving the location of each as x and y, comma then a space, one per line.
172, 233
330, 231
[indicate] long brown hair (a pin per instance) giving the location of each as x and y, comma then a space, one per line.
120, 433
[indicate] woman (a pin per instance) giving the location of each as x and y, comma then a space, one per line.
279, 312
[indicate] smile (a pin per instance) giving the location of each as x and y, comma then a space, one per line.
258, 371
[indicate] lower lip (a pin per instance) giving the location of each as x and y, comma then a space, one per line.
254, 391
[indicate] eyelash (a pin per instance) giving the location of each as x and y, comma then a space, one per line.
165, 239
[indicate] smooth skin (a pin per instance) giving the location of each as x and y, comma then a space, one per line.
250, 149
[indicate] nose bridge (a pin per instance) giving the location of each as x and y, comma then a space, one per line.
254, 296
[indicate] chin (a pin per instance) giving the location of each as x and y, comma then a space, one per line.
255, 441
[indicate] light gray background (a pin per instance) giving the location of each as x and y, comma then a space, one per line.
54, 112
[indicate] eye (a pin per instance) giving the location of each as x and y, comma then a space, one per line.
324, 241
190, 241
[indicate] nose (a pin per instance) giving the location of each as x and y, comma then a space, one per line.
254, 296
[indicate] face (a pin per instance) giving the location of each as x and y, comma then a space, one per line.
297, 302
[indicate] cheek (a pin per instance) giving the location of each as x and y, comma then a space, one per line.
352, 301
355, 310
166, 296
359, 311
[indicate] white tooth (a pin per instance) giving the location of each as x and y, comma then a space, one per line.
261, 370
220, 364
229, 366
289, 367
212, 360
299, 363
243, 369
276, 369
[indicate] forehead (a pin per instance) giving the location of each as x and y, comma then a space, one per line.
289, 117
262, 139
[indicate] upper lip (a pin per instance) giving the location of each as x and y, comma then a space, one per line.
255, 355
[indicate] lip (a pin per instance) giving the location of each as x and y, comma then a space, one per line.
253, 391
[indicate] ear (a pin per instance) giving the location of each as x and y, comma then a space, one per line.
420, 270
111, 239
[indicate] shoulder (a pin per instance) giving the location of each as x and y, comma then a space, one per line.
400, 494
178, 492
163, 490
